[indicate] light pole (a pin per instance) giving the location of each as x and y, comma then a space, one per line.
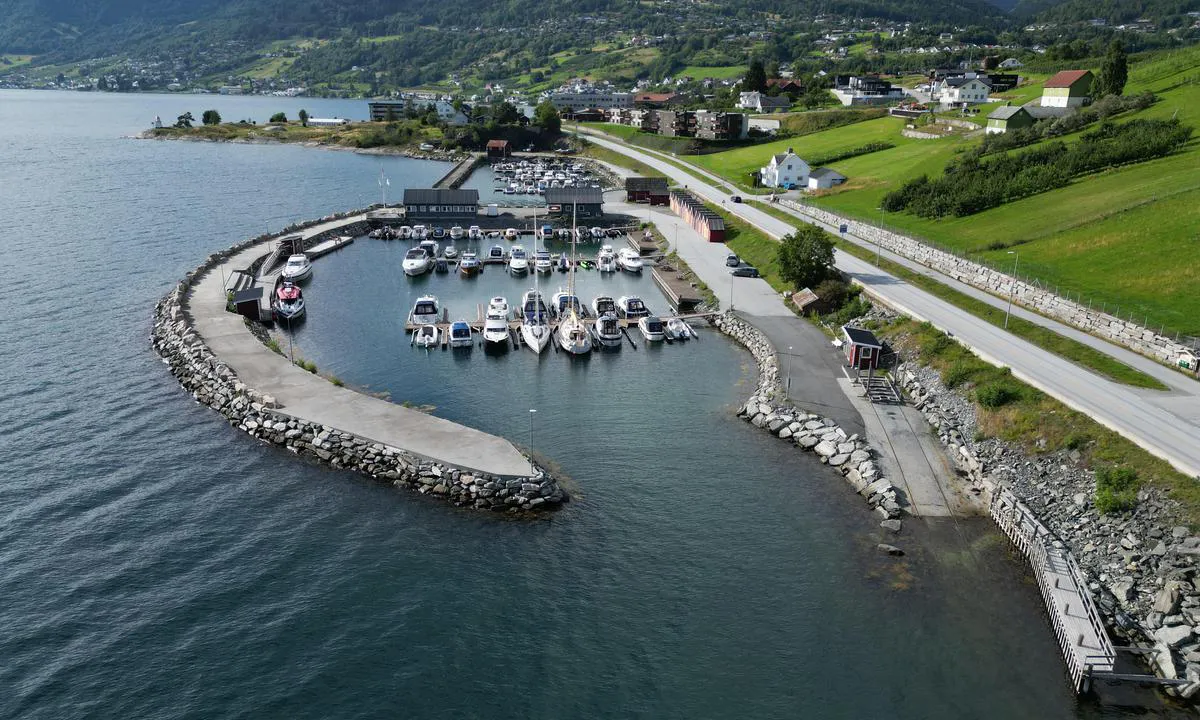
879, 236
531, 414
789, 375
1012, 287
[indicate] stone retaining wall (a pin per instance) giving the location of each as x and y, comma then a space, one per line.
849, 454
1123, 332
211, 382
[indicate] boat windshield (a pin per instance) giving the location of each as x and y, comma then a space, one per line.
655, 325
425, 308
414, 254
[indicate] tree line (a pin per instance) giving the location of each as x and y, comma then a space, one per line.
971, 185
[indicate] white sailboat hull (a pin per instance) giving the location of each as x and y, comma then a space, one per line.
536, 337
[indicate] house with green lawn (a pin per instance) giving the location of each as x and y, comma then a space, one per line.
1006, 118
1069, 88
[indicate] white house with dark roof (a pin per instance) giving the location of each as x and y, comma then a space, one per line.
969, 89
785, 170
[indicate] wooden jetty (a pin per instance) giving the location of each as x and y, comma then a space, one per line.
515, 325
676, 287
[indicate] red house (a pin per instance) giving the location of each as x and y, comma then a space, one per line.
498, 149
863, 349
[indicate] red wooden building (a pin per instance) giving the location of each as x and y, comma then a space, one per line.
863, 349
498, 149
651, 190
710, 225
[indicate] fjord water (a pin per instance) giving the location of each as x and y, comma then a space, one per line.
155, 562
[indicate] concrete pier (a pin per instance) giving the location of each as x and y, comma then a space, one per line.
302, 395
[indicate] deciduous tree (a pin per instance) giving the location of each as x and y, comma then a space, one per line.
211, 117
806, 256
185, 120
546, 117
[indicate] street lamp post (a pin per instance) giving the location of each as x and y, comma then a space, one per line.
789, 374
1012, 287
531, 414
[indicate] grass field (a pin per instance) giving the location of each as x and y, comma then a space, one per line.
8, 62
717, 72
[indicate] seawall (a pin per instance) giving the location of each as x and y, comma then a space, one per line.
212, 381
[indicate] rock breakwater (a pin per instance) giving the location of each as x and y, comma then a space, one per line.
767, 408
213, 383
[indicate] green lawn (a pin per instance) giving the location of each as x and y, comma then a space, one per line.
736, 165
717, 72
13, 61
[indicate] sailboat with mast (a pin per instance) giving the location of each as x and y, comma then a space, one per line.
535, 327
573, 334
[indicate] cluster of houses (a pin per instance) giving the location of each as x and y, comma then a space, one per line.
704, 124
1062, 94
789, 172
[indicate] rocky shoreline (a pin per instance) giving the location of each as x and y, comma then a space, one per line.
1140, 566
213, 383
849, 454
260, 140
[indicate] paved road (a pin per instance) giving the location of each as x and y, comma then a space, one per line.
1154, 423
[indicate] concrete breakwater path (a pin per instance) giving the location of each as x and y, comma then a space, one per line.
216, 357
1164, 424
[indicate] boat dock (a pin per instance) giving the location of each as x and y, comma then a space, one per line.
676, 287
514, 329
460, 172
1081, 637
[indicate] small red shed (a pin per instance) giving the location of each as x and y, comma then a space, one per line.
863, 349
498, 149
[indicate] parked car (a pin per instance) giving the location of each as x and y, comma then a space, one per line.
744, 271
733, 261
736, 198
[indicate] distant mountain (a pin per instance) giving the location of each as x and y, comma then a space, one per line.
1113, 12
81, 28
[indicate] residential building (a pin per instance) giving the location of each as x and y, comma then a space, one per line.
865, 90
712, 125
449, 114
1006, 118
968, 89
327, 122
824, 178
787, 85
580, 202
1069, 88
440, 204
1011, 64
763, 103
676, 123
653, 100
591, 99
785, 170
710, 225
651, 190
384, 110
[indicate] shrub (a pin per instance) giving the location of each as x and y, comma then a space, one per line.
337, 381
308, 365
833, 293
1116, 489
1074, 441
997, 394
273, 346
958, 373
279, 117
935, 346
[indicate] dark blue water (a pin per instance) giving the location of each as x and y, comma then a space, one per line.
156, 563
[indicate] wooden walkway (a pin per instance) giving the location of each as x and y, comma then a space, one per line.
1082, 639
515, 325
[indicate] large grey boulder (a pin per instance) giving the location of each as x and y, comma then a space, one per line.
825, 449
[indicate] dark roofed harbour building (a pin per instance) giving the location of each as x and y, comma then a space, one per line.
583, 202
440, 204
651, 190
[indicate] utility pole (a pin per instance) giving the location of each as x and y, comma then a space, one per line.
1012, 287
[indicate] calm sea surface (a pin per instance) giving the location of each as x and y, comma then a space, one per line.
156, 563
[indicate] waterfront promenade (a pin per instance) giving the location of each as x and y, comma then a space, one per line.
306, 396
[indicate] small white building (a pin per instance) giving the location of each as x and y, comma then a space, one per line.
1011, 64
824, 178
327, 122
785, 170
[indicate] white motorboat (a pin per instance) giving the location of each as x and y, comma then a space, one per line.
606, 259
510, 234
297, 268
603, 304
564, 263
419, 232
597, 232
535, 330
430, 247
457, 233
677, 329
629, 260
416, 262
495, 327
542, 262
449, 252
499, 304
474, 233
607, 330
469, 265
631, 306
378, 234
495, 253
652, 328
573, 334
547, 232
461, 334
518, 261
580, 233
288, 303
425, 311
404, 232
564, 234
427, 336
